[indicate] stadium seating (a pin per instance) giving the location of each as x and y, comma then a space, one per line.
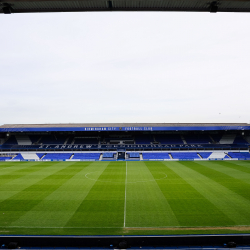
205, 155
3, 158
240, 140
143, 139
40, 155
57, 156
197, 139
169, 139
86, 141
86, 156
11, 141
155, 156
108, 155
18, 157
134, 155
239, 155
185, 155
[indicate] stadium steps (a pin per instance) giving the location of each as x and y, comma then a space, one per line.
199, 155
70, 158
212, 139
73, 141
66, 140
228, 155
216, 155
171, 157
38, 140
23, 140
101, 156
247, 138
42, 157
183, 139
30, 156
141, 157
227, 139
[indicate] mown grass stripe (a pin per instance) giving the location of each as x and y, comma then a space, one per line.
146, 205
59, 206
104, 204
229, 169
191, 208
237, 186
32, 192
234, 206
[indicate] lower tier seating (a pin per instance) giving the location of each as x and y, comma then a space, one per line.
86, 156
157, 156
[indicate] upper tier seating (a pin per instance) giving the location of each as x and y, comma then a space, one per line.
216, 137
239, 140
156, 156
11, 141
86, 156
169, 139
143, 139
108, 155
57, 156
51, 139
197, 139
134, 155
185, 155
86, 141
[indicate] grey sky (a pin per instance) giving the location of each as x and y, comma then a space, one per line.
124, 67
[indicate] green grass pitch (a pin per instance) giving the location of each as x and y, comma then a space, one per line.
124, 198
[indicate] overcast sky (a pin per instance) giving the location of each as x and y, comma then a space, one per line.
125, 67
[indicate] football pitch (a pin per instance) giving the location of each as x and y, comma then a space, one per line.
124, 198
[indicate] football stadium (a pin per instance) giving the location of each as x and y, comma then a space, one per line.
124, 179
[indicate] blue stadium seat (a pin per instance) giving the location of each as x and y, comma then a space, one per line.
157, 156
205, 155
57, 156
185, 155
108, 155
86, 156
134, 155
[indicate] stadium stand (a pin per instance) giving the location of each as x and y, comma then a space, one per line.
136, 141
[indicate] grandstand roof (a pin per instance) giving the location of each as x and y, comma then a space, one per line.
25, 6
122, 127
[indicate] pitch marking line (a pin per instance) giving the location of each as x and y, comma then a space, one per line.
125, 200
